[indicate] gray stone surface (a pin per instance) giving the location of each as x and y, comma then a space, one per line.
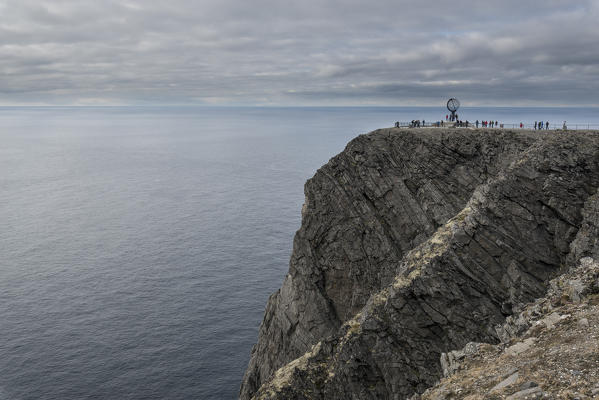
510, 380
550, 320
532, 393
520, 347
450, 362
414, 243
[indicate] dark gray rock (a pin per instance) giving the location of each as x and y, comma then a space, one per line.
528, 385
450, 362
414, 243
586, 243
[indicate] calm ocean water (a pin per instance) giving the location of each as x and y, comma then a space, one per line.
139, 245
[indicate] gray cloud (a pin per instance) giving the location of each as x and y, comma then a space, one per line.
310, 52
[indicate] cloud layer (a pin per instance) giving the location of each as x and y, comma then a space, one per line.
406, 52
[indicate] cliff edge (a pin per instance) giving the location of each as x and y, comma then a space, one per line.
414, 243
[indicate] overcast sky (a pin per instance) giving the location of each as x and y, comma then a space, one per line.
306, 52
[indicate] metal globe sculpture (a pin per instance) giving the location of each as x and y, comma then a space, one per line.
452, 105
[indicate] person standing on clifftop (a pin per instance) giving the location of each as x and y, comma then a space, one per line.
547, 125
477, 123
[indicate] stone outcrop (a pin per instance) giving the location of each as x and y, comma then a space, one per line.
550, 350
414, 243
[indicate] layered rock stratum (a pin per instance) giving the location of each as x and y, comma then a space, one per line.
414, 243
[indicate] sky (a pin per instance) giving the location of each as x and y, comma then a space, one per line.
308, 52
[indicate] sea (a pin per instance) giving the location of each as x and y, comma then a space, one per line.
139, 245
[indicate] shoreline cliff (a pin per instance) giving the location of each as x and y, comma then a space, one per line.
414, 243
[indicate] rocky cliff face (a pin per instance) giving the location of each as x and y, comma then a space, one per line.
550, 350
414, 243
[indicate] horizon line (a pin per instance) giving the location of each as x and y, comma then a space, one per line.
275, 106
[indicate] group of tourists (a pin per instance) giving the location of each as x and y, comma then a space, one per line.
539, 125
416, 123
488, 124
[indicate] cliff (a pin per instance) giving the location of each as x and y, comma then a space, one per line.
550, 350
414, 243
